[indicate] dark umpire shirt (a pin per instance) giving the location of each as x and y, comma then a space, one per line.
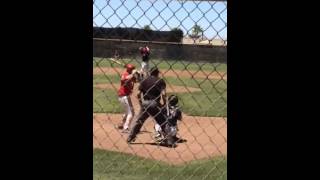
152, 87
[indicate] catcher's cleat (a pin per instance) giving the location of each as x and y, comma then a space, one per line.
176, 139
167, 144
172, 145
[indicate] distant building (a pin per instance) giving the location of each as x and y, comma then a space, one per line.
204, 41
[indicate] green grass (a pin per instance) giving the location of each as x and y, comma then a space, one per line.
101, 78
106, 100
120, 166
166, 64
210, 101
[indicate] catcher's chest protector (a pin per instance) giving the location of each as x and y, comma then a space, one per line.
174, 115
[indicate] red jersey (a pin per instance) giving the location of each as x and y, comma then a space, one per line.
126, 85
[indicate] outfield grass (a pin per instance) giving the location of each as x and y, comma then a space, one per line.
120, 166
210, 101
166, 64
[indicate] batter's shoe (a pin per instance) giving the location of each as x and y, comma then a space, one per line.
125, 130
120, 126
131, 139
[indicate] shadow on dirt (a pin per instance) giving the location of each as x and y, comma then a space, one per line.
162, 144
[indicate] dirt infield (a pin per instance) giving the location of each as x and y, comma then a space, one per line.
206, 137
168, 73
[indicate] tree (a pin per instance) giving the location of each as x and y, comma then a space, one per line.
196, 30
176, 29
147, 27
176, 34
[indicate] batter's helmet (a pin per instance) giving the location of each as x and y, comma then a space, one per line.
129, 68
173, 100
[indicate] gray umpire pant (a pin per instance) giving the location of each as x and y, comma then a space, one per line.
149, 108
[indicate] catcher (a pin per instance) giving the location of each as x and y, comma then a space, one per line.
173, 114
128, 79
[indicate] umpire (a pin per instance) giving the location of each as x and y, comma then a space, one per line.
151, 91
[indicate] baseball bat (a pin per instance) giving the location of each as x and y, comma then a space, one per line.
116, 61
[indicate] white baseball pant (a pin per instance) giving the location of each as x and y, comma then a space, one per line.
129, 111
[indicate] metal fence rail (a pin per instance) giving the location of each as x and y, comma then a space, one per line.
188, 44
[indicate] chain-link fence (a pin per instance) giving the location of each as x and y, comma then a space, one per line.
187, 42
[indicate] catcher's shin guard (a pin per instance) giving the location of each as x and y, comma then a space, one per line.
169, 136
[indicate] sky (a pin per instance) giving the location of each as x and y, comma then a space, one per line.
163, 15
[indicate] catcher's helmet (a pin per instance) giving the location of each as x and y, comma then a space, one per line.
129, 68
173, 100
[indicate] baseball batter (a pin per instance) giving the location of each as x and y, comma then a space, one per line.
124, 92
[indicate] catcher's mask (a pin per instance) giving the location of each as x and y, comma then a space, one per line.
129, 68
173, 100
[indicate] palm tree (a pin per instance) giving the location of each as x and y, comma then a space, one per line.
196, 30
